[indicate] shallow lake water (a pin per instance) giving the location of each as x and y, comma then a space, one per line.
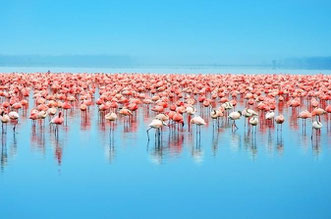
89, 172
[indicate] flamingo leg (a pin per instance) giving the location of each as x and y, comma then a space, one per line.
235, 125
159, 135
148, 133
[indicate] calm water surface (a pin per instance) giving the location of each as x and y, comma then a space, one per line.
89, 173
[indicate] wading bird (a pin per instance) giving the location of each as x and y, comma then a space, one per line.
157, 125
235, 116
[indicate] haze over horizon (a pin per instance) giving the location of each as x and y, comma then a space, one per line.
172, 32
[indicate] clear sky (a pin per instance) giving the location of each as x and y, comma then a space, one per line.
173, 31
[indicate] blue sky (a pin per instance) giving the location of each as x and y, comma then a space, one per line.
171, 31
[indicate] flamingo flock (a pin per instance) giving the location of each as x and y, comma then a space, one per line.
174, 101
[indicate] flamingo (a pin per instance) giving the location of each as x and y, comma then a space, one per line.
316, 125
227, 106
235, 116
318, 112
4, 119
247, 113
83, 107
253, 121
125, 112
163, 117
66, 106
42, 115
178, 118
14, 117
190, 110
111, 116
51, 111
305, 115
57, 121
198, 121
270, 115
216, 114
33, 116
328, 110
280, 120
155, 124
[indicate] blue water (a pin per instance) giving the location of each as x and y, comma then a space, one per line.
89, 173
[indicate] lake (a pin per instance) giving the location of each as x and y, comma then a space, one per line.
89, 172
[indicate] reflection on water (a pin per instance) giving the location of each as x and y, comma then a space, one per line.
4, 155
200, 142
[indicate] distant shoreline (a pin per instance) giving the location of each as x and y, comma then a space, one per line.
126, 61
171, 66
168, 69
